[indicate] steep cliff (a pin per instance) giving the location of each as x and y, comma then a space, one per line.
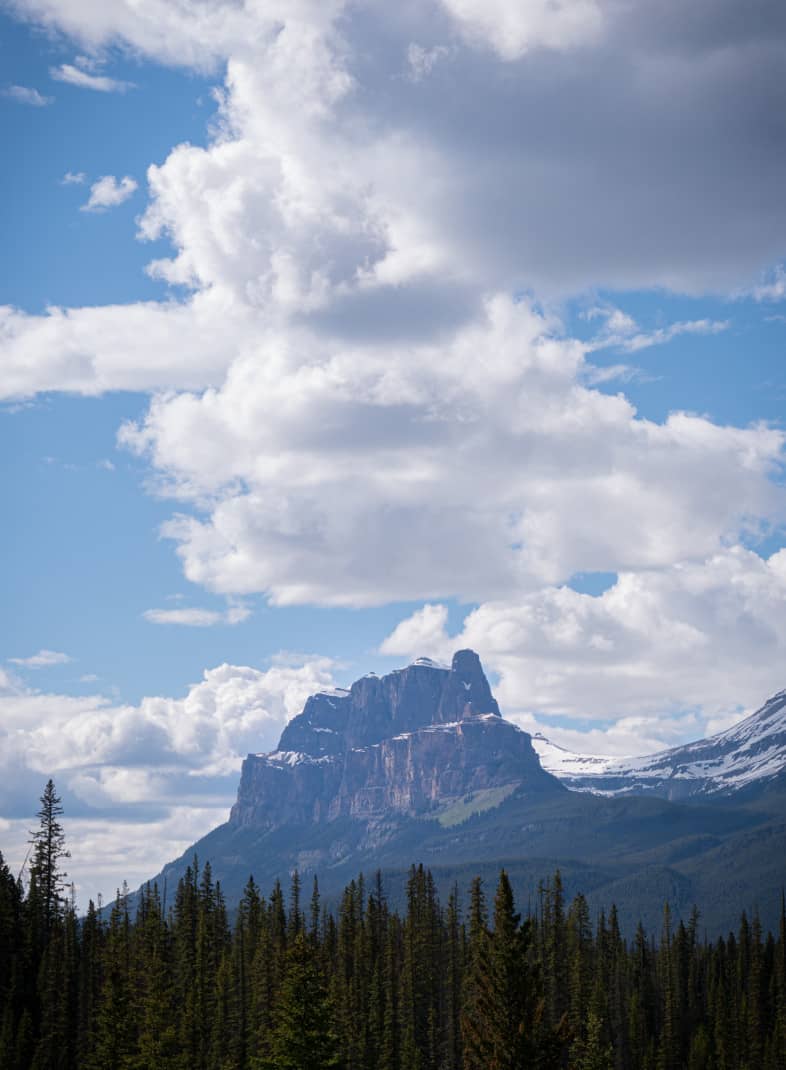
409, 743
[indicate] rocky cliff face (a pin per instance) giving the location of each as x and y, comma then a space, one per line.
408, 743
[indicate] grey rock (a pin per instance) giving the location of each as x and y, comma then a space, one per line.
403, 744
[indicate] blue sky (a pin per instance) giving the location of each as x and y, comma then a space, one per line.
449, 325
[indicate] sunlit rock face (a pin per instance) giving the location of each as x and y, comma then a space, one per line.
406, 743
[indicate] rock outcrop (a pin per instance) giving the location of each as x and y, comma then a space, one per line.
408, 743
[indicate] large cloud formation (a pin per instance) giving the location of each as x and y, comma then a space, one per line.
662, 655
140, 783
366, 394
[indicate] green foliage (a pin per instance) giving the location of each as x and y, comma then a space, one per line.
302, 1036
367, 988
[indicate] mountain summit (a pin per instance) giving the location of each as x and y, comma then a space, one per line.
413, 742
419, 765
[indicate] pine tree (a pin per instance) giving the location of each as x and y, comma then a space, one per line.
591, 1052
154, 998
454, 969
48, 852
302, 1037
115, 1027
504, 1025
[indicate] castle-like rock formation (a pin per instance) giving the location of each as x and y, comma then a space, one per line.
408, 743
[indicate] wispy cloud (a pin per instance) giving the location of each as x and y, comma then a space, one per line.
83, 79
193, 617
44, 659
24, 95
422, 61
108, 192
622, 332
774, 289
73, 178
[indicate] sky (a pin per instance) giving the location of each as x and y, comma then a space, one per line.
334, 334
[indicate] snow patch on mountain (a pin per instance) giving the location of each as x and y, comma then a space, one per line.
752, 750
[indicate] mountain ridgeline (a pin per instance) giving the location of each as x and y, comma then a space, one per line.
419, 765
743, 759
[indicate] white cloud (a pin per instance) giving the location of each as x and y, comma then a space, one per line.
774, 289
364, 413
165, 769
232, 710
467, 479
662, 656
108, 192
514, 29
105, 853
194, 617
44, 659
83, 79
25, 95
73, 178
138, 347
425, 630
422, 61
184, 34
621, 331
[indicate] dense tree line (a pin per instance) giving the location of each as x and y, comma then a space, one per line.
293, 985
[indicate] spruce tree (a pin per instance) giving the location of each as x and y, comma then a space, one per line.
302, 1036
48, 852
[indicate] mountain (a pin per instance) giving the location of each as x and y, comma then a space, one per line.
746, 758
417, 741
420, 766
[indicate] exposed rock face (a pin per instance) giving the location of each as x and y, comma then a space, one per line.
405, 743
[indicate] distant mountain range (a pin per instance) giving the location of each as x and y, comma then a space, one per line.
746, 757
420, 766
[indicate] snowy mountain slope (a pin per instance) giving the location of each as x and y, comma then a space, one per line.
749, 753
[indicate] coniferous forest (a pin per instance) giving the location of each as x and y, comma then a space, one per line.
171, 985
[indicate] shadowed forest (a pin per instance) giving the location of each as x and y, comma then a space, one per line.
172, 985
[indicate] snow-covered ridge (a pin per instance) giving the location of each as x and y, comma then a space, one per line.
750, 751
425, 663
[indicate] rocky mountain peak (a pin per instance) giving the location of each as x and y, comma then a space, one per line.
379, 707
406, 742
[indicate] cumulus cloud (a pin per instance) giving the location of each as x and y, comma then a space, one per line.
107, 192
660, 657
44, 659
84, 79
232, 710
166, 769
514, 29
140, 347
121, 850
353, 407
25, 95
466, 478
